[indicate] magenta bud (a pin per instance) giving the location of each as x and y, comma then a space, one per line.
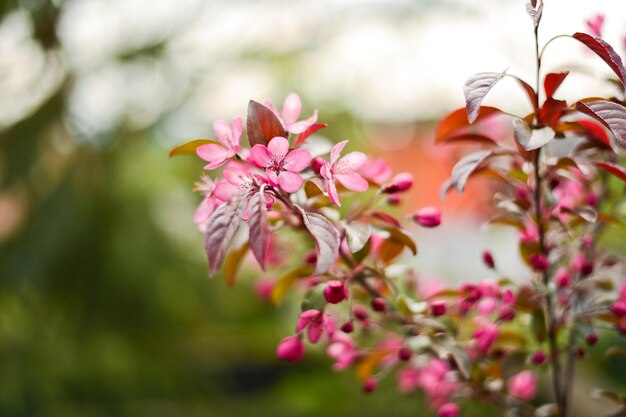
488, 260
394, 200
428, 217
438, 308
538, 357
591, 339
335, 292
506, 313
310, 258
404, 353
619, 308
347, 327
290, 349
539, 262
379, 304
579, 352
521, 193
316, 164
448, 410
562, 278
621, 328
360, 312
398, 184
369, 384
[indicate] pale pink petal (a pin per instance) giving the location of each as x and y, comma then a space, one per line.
235, 174
487, 305
223, 132
272, 177
352, 181
225, 190
297, 160
270, 106
326, 171
216, 155
336, 151
237, 131
290, 181
332, 192
297, 127
278, 146
260, 156
352, 161
291, 108
204, 210
305, 318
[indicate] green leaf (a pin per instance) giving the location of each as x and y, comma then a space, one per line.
189, 148
232, 263
314, 299
286, 281
538, 325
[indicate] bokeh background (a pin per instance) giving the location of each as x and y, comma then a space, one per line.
105, 305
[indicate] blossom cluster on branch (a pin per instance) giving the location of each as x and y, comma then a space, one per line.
490, 341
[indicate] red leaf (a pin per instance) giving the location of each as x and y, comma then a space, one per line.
604, 51
387, 218
610, 114
457, 120
259, 227
551, 111
262, 124
326, 239
595, 132
530, 92
475, 90
553, 81
308, 132
221, 228
614, 169
470, 137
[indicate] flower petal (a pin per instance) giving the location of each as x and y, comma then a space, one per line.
301, 126
260, 156
291, 108
352, 181
352, 161
290, 181
332, 192
336, 151
223, 132
237, 131
272, 177
297, 160
216, 155
278, 146
225, 190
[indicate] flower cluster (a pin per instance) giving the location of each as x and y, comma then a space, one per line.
490, 341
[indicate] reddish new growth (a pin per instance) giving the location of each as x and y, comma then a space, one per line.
460, 342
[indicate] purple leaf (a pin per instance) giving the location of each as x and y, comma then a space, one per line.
262, 124
476, 88
535, 11
221, 227
259, 227
326, 239
604, 51
610, 114
529, 138
463, 169
552, 81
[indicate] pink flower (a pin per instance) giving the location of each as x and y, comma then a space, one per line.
281, 166
292, 107
342, 350
209, 202
539, 262
290, 349
377, 171
594, 24
398, 184
344, 171
316, 322
237, 176
486, 305
428, 217
448, 410
523, 385
435, 381
229, 137
619, 308
369, 384
485, 336
408, 379
335, 292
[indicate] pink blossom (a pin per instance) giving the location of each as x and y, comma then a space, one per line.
370, 384
316, 323
377, 171
343, 350
485, 336
448, 410
237, 176
487, 305
435, 381
428, 217
438, 308
398, 184
335, 292
292, 107
530, 233
594, 25
290, 349
619, 308
343, 170
539, 262
408, 379
216, 154
523, 385
281, 166
209, 203
562, 278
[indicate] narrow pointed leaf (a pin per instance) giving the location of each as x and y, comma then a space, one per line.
259, 227
553, 81
530, 92
301, 138
457, 120
529, 138
189, 148
232, 263
604, 51
221, 227
262, 124
610, 114
464, 169
476, 88
614, 169
326, 239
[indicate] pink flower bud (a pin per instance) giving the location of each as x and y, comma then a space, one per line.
539, 262
619, 308
438, 308
335, 292
562, 278
316, 164
506, 313
347, 327
394, 200
579, 352
538, 357
521, 193
290, 349
523, 385
369, 384
448, 410
404, 354
398, 184
428, 217
360, 312
485, 336
379, 304
488, 259
591, 339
